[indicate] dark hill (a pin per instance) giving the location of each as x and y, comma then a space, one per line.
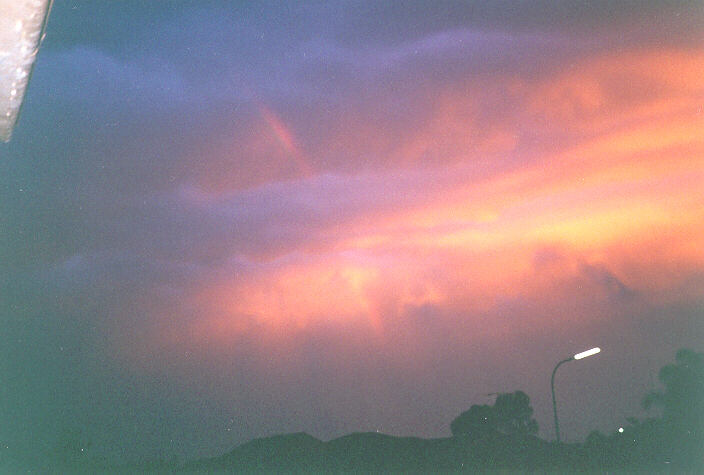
375, 452
289, 452
371, 451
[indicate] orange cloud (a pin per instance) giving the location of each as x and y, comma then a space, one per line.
618, 89
624, 192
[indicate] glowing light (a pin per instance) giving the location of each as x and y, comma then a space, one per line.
620, 429
584, 354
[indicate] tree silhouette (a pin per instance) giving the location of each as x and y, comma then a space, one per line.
680, 431
514, 414
682, 400
675, 439
477, 422
510, 414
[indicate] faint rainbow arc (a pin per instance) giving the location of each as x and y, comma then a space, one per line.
286, 139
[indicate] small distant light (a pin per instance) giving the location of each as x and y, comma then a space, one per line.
620, 429
584, 354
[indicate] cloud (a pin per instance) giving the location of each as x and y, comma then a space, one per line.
487, 189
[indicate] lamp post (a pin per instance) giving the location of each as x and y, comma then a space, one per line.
578, 356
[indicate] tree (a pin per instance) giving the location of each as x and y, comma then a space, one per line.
682, 401
679, 433
514, 414
510, 414
477, 422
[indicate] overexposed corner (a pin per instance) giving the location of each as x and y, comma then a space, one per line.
21, 29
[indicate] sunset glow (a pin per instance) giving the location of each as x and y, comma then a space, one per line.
348, 216
602, 199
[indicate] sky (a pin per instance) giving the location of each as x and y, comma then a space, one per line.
226, 220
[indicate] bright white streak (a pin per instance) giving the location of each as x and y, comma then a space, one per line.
21, 23
584, 354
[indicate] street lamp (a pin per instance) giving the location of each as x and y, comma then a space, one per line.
578, 356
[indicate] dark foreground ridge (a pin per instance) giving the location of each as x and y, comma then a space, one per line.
502, 437
485, 437
372, 451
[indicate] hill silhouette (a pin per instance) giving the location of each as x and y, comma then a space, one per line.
376, 452
485, 437
501, 437
280, 452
